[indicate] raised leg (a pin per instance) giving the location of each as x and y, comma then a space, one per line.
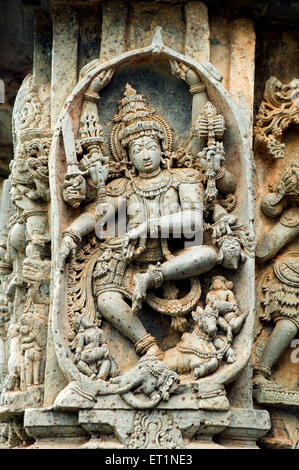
281, 337
187, 263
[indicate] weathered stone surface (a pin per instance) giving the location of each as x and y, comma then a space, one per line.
220, 46
64, 58
242, 68
44, 423
197, 41
284, 430
246, 426
53, 429
139, 337
189, 425
114, 29
144, 17
89, 34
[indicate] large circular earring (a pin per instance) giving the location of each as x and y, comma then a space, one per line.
166, 160
130, 170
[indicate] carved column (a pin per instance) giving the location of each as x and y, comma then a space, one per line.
242, 68
114, 29
220, 46
64, 57
197, 40
63, 79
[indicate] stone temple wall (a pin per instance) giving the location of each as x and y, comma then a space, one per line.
149, 250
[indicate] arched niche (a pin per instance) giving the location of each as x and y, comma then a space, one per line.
148, 70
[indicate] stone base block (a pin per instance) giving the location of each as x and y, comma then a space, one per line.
142, 428
54, 427
145, 429
277, 398
58, 443
245, 428
18, 401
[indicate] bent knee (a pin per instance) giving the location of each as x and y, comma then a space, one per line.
109, 298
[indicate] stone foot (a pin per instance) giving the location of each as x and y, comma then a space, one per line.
236, 324
155, 351
230, 358
260, 380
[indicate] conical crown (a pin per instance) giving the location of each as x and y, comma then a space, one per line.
136, 119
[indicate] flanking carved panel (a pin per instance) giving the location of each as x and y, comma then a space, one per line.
25, 257
277, 251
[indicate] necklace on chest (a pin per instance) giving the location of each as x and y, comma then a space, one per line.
152, 190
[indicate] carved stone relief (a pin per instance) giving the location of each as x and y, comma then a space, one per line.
127, 247
122, 216
154, 431
25, 255
278, 111
277, 284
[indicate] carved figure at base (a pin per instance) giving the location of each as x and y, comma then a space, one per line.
202, 350
32, 353
13, 380
196, 351
92, 355
152, 378
280, 304
222, 298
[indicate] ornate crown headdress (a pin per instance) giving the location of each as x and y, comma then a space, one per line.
218, 278
244, 239
136, 119
20, 173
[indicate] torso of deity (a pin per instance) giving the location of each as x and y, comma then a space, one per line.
146, 198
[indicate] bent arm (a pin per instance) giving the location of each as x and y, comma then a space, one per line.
189, 220
80, 344
186, 222
211, 298
86, 222
272, 242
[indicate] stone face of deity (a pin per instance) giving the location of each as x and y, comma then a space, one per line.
231, 251
74, 189
145, 154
